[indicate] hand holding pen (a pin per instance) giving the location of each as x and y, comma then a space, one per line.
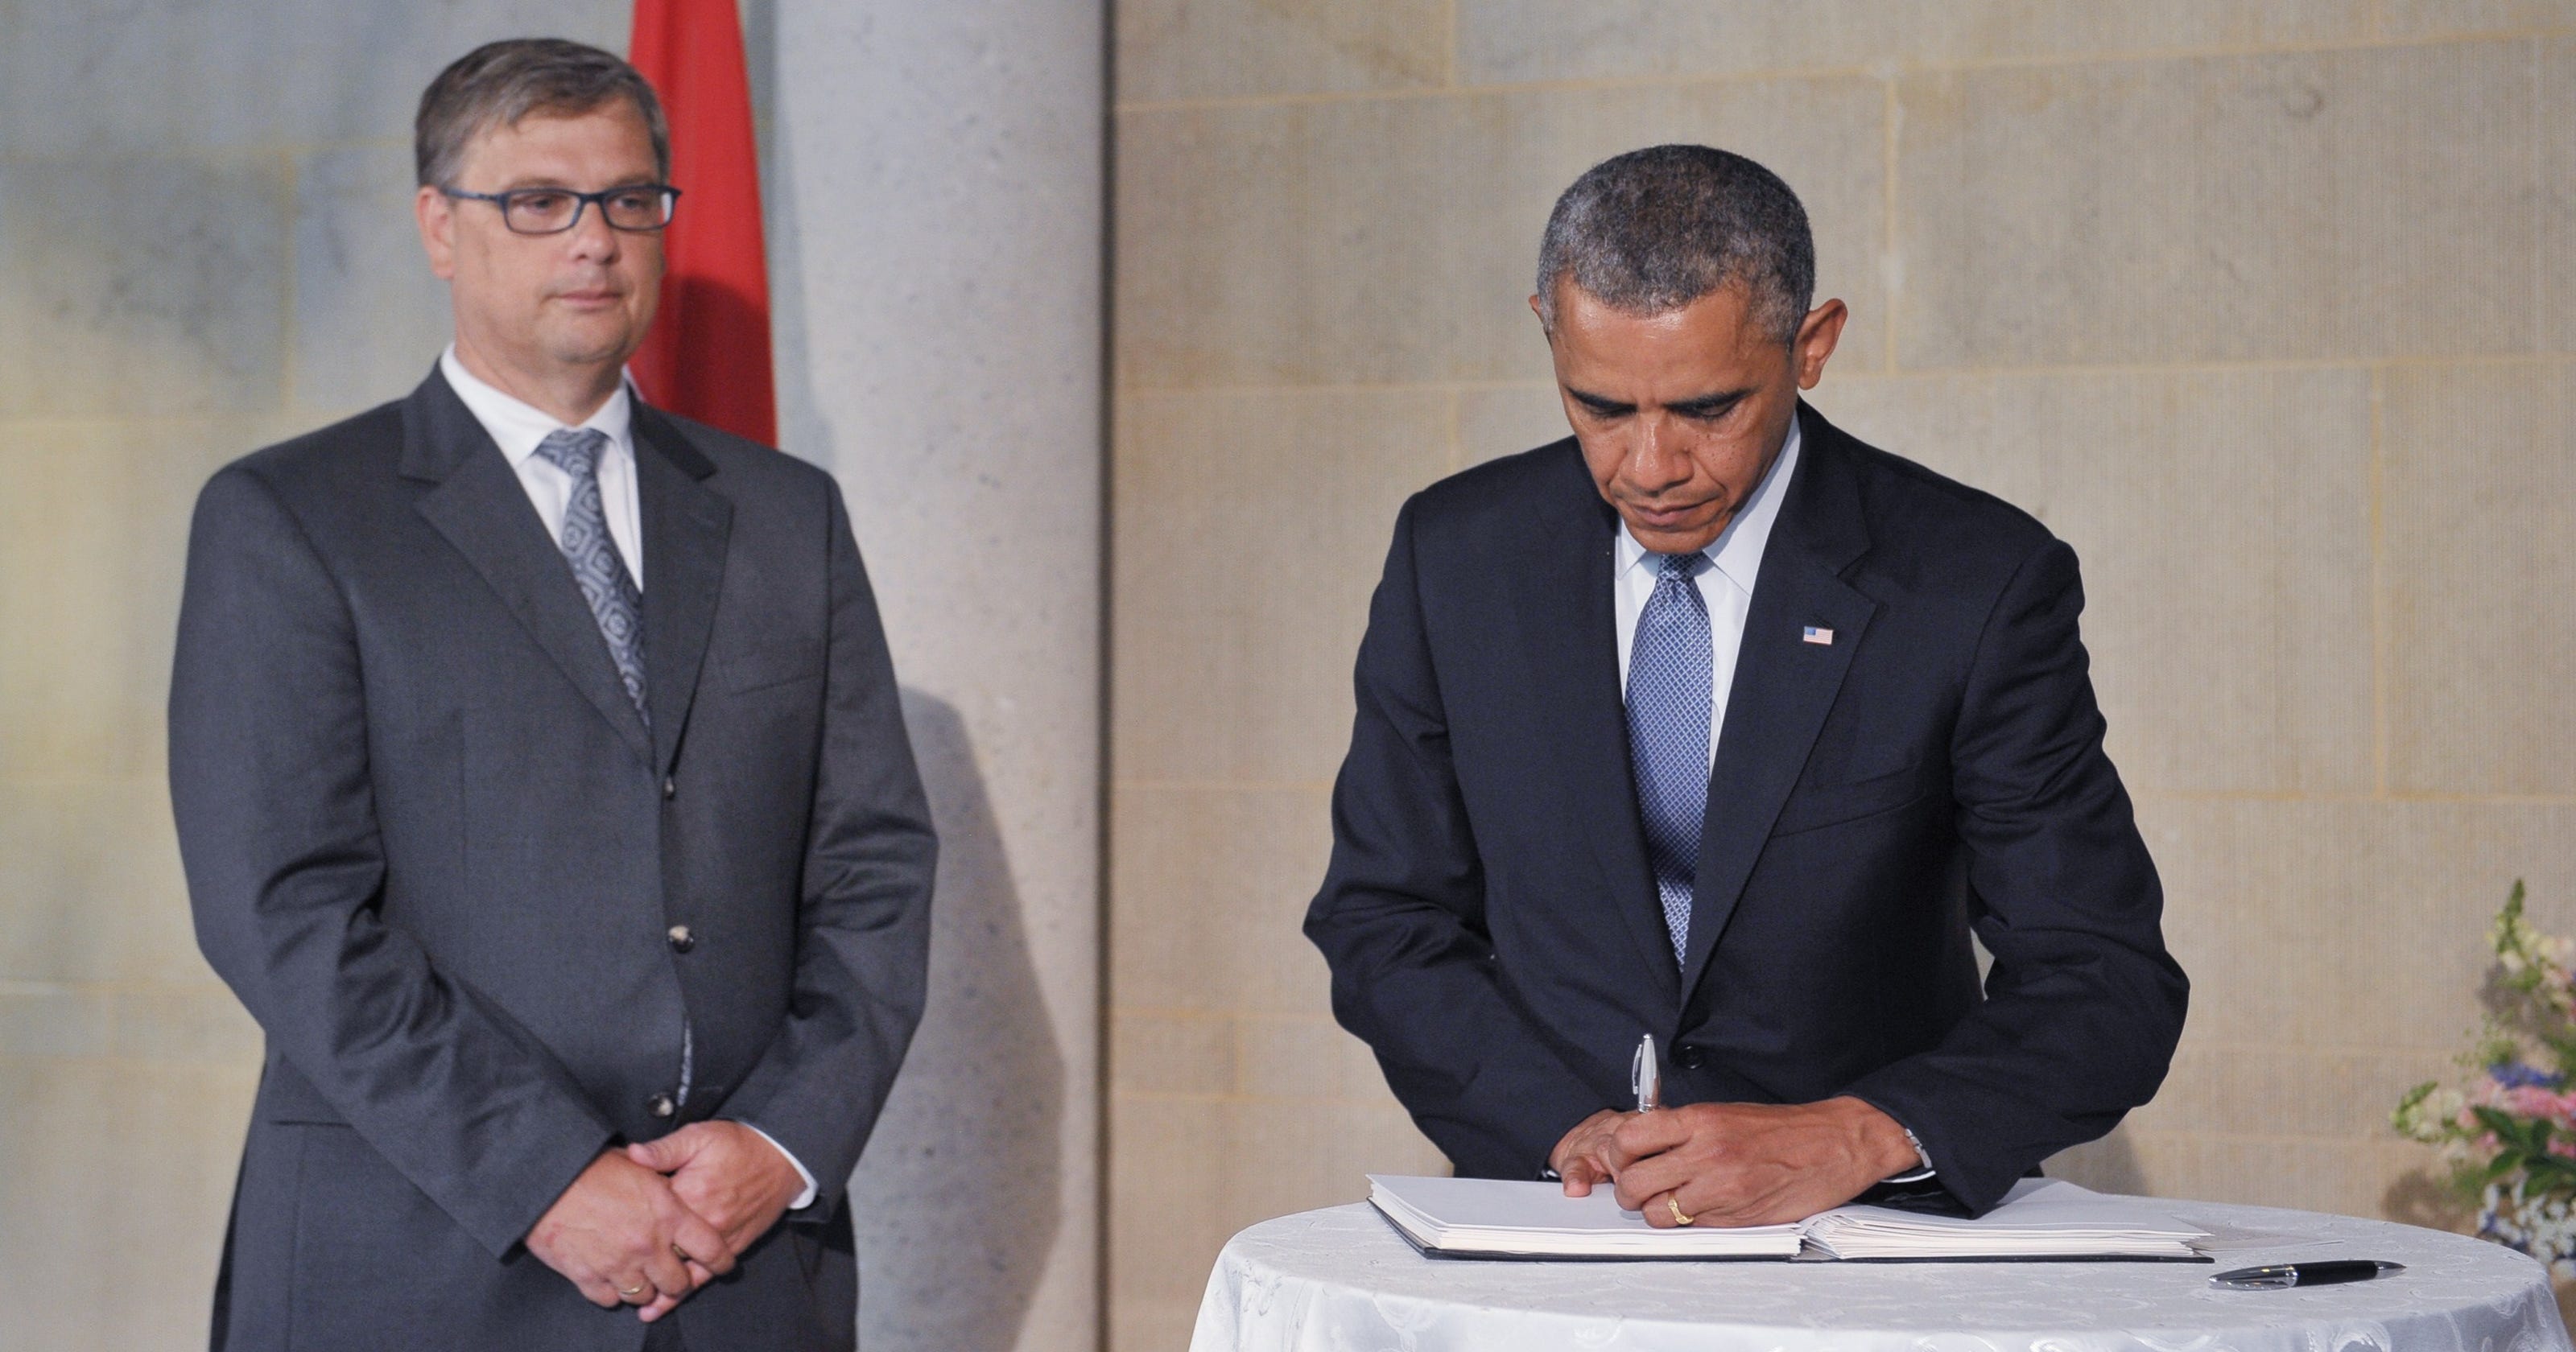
1584, 1157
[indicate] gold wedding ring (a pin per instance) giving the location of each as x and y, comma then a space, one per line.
1674, 1205
680, 1253
630, 1292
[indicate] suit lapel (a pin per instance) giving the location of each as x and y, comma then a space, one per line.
479, 506
1562, 595
1784, 686
686, 527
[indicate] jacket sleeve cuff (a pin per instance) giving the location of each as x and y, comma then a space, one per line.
1964, 1175
553, 1169
803, 1199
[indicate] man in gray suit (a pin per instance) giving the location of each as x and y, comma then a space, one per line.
544, 794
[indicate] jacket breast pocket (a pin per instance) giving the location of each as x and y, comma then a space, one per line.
1812, 806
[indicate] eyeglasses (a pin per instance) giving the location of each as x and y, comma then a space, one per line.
638, 208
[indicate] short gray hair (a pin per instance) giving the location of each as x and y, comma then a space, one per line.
1655, 229
500, 83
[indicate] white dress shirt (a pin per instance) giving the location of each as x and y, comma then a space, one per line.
1726, 589
517, 427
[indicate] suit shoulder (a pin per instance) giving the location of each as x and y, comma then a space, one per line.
319, 469
1529, 475
1507, 489
745, 463
1917, 505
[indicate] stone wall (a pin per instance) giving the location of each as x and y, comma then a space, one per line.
2265, 308
937, 183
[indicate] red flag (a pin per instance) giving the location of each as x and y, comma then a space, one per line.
707, 356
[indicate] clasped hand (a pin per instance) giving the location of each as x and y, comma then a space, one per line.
1734, 1163
651, 1223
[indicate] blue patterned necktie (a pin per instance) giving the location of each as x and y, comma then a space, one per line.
1668, 710
614, 599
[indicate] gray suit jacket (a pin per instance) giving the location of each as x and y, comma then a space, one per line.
436, 853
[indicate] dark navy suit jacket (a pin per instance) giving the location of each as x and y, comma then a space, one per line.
1937, 769
437, 854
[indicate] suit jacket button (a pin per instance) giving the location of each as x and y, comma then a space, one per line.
681, 939
661, 1105
1689, 1057
670, 789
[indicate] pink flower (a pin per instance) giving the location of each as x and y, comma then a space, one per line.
2531, 1101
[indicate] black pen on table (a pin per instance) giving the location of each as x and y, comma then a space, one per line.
2282, 1276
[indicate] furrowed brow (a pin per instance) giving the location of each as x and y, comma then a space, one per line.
1601, 404
1708, 405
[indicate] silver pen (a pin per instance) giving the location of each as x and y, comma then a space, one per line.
1646, 1076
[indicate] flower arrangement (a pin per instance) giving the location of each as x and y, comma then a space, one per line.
2510, 1136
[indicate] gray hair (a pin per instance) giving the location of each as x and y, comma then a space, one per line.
500, 83
1655, 229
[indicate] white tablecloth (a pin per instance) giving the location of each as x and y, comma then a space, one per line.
1342, 1280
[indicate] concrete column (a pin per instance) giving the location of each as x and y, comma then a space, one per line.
934, 181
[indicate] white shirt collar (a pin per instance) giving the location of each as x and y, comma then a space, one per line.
1737, 550
517, 426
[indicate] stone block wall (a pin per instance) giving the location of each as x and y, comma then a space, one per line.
2265, 308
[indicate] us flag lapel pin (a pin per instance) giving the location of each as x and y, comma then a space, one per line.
1815, 635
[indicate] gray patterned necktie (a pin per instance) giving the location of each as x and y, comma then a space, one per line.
1669, 697
614, 599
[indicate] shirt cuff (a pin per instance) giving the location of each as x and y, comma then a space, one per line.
803, 1199
1922, 1159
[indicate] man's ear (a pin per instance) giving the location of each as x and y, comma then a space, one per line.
437, 217
1817, 334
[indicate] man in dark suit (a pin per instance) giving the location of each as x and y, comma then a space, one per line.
544, 794
1714, 724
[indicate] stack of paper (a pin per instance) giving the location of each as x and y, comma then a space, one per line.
2038, 1219
1490, 1218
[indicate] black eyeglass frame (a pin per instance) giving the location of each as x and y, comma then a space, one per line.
582, 201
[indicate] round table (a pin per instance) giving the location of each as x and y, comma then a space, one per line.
1342, 1280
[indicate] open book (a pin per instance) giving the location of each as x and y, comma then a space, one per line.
2039, 1219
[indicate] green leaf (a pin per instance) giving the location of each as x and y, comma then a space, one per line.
2505, 1126
2556, 1172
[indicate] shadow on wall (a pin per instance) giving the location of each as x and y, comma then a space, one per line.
956, 1200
